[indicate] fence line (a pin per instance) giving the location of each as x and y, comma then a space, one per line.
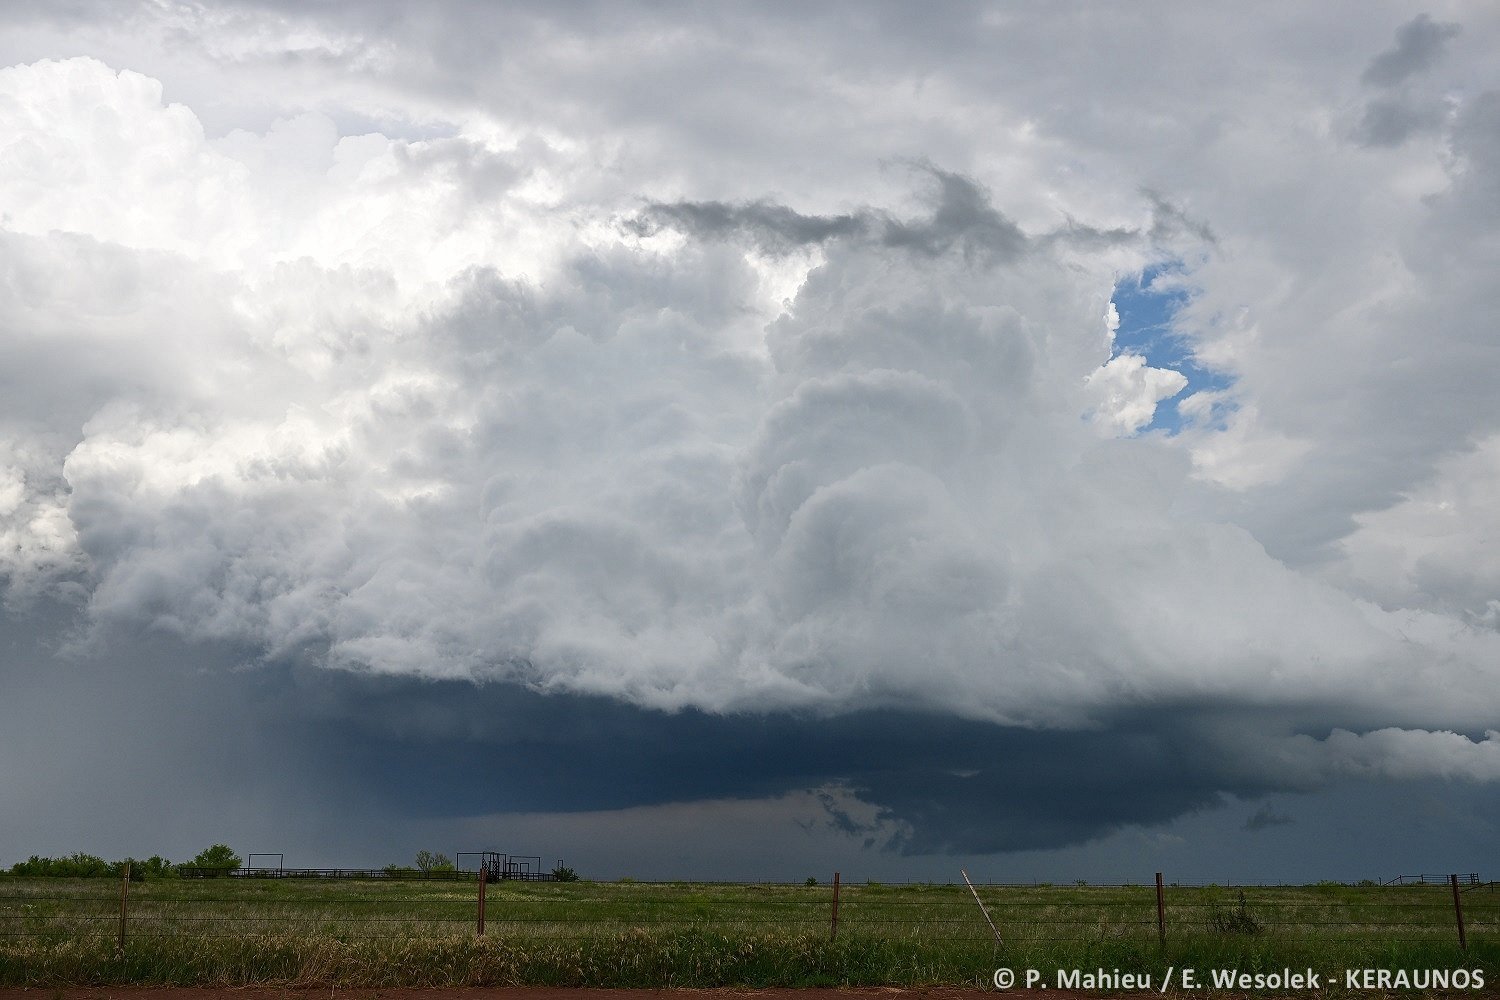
62, 908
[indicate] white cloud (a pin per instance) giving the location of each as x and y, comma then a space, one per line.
1239, 453
1128, 390
1393, 754
96, 152
38, 546
1435, 548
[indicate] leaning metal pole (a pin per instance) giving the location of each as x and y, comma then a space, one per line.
981, 907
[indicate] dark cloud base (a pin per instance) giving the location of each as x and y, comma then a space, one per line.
454, 748
147, 744
189, 729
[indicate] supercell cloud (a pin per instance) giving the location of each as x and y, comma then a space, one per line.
777, 383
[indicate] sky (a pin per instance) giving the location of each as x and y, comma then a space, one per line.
750, 441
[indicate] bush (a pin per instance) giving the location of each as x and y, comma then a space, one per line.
82, 865
1236, 920
562, 873
78, 865
155, 866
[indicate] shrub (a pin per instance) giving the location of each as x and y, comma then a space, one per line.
155, 866
1235, 920
82, 865
562, 873
77, 865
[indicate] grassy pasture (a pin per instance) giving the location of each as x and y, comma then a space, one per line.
384, 932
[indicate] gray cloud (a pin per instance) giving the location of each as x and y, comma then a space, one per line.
1170, 222
1392, 122
1411, 110
962, 217
772, 227
1419, 45
1267, 817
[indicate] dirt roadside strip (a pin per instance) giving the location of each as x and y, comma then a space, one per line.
576, 993
528, 993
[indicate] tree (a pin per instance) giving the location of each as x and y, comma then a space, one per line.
429, 862
219, 856
564, 874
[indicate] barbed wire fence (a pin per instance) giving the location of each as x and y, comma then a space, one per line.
1419, 910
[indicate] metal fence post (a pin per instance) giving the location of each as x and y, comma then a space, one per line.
1458, 912
124, 896
1161, 912
975, 892
833, 924
484, 877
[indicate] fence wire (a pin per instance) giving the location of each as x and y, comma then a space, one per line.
62, 909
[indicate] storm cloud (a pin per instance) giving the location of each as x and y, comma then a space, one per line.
509, 406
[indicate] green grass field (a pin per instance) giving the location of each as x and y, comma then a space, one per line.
381, 932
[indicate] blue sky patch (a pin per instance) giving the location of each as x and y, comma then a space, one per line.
1146, 306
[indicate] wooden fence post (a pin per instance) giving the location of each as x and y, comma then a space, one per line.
1458, 912
1161, 912
124, 896
484, 877
833, 924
